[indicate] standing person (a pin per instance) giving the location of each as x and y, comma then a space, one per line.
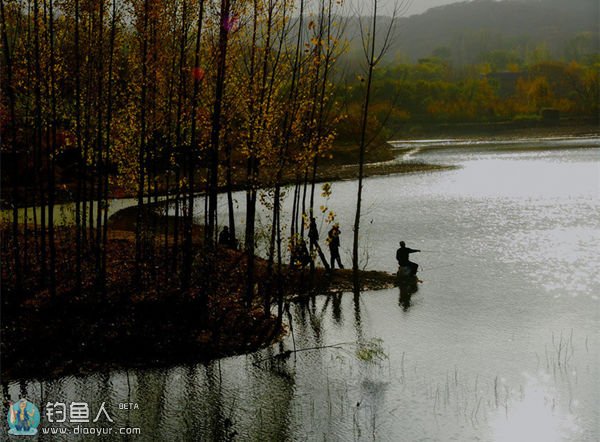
402, 255
313, 236
313, 232
334, 246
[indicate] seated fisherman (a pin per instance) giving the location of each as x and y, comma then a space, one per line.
402, 257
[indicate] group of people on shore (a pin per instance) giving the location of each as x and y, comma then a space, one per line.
302, 257
333, 241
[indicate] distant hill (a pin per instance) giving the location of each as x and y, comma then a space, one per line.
465, 32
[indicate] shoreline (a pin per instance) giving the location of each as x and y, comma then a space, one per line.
382, 161
503, 129
331, 174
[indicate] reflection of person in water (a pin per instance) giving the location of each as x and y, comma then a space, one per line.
407, 289
336, 307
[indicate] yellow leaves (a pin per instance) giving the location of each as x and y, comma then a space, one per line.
305, 220
260, 114
485, 68
513, 67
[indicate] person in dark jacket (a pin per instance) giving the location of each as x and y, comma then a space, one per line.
333, 238
225, 237
313, 232
402, 255
301, 257
313, 236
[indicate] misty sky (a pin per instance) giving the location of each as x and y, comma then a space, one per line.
414, 6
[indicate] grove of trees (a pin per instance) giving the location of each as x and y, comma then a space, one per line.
163, 99
433, 91
159, 99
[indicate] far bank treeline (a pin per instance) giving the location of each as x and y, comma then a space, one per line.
485, 62
502, 88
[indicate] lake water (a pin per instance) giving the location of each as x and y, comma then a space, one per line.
499, 343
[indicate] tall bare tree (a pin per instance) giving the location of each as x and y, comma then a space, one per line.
372, 56
13, 140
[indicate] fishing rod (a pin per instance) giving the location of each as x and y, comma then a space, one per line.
450, 253
424, 269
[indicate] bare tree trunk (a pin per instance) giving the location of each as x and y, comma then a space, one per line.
329, 58
99, 142
313, 136
86, 233
38, 144
373, 58
108, 141
80, 159
181, 93
361, 157
142, 151
229, 185
151, 144
188, 256
295, 211
252, 168
169, 137
265, 65
215, 135
13, 136
52, 155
